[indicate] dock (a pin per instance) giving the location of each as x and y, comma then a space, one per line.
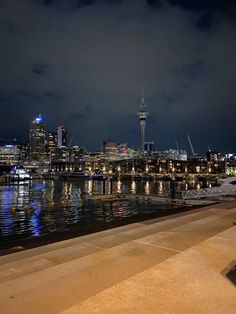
154, 199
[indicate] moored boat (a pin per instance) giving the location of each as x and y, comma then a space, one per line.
18, 173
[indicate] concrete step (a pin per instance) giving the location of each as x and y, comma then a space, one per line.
52, 278
122, 230
82, 277
100, 240
165, 234
190, 282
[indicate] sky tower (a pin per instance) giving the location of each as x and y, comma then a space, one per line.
142, 114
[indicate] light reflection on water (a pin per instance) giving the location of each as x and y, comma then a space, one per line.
41, 207
147, 188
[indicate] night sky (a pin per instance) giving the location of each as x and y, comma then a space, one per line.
80, 63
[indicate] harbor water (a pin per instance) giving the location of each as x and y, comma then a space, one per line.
40, 207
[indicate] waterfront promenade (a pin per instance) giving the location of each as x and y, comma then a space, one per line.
172, 264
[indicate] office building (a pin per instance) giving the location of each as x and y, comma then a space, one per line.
10, 155
37, 138
61, 136
110, 150
148, 148
51, 144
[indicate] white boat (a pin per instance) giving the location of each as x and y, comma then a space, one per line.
18, 173
226, 181
227, 188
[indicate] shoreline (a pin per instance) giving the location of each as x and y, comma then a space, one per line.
22, 244
171, 263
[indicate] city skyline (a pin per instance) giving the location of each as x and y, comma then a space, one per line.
80, 63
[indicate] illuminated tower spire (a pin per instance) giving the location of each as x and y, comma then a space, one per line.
142, 114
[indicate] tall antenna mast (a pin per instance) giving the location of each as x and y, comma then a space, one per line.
142, 105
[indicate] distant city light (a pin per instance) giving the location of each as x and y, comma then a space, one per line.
39, 118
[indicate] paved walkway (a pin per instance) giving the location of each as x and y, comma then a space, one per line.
165, 265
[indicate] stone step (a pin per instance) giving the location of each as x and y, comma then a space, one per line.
190, 282
150, 234
69, 272
75, 248
82, 277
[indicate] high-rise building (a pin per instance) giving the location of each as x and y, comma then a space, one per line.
149, 148
122, 151
61, 136
10, 155
172, 154
52, 144
142, 114
52, 139
37, 138
110, 150
213, 155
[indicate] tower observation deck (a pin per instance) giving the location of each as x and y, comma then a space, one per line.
142, 114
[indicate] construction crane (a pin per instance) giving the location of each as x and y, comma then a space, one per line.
71, 139
177, 145
191, 146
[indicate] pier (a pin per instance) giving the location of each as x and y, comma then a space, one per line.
149, 198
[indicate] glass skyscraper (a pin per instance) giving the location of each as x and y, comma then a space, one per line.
61, 136
37, 138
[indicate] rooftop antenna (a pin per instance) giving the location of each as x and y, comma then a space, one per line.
142, 105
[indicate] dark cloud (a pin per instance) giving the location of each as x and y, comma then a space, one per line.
76, 115
8, 26
25, 93
55, 96
66, 5
166, 98
40, 69
83, 69
82, 3
155, 3
205, 21
88, 108
189, 70
204, 4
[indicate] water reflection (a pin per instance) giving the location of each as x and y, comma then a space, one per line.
147, 188
44, 206
160, 188
88, 186
133, 187
35, 223
118, 187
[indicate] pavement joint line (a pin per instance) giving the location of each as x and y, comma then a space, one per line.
95, 246
222, 237
158, 246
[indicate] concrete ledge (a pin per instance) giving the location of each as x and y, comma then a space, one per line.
190, 282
